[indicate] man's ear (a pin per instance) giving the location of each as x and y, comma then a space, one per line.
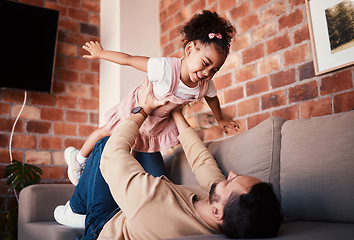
189, 48
218, 213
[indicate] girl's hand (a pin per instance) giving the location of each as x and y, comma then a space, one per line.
94, 48
227, 122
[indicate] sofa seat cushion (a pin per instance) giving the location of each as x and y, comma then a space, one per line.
50, 230
317, 169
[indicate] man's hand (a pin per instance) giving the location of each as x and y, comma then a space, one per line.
94, 48
227, 122
147, 99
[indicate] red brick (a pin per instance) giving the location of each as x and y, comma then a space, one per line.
301, 34
24, 141
38, 3
163, 15
38, 127
268, 65
233, 94
169, 49
316, 108
94, 19
78, 90
259, 3
212, 133
165, 3
240, 11
75, 4
265, 31
58, 87
167, 25
241, 42
88, 104
50, 172
66, 101
253, 121
90, 6
283, 78
248, 106
67, 49
78, 64
12, 96
95, 66
86, 130
50, 143
230, 111
343, 102
95, 92
232, 61
4, 108
182, 16
197, 6
222, 81
67, 75
307, 71
175, 33
288, 113
90, 78
294, 3
226, 4
94, 118
248, 22
291, 20
278, 43
65, 129
28, 112
52, 114
257, 86
174, 7
273, 99
60, 61
76, 116
77, 143
58, 158
5, 156
4, 140
303, 92
252, 54
78, 14
78, 38
7, 124
43, 99
63, 11
194, 107
337, 82
273, 11
67, 24
245, 73
296, 55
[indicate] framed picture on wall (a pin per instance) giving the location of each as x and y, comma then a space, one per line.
331, 25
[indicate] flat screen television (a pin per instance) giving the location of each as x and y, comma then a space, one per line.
28, 46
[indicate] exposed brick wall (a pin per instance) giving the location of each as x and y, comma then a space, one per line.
269, 71
51, 122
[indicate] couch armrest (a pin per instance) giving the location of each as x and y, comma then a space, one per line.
37, 202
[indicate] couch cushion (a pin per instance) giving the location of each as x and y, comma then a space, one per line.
254, 152
317, 168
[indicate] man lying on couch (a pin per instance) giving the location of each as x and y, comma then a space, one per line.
128, 203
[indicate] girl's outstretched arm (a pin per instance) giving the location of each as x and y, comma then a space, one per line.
97, 52
223, 120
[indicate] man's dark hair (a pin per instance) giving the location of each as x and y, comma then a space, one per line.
253, 215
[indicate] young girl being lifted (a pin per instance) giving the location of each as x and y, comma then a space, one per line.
179, 81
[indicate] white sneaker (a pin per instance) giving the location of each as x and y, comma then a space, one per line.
64, 215
74, 167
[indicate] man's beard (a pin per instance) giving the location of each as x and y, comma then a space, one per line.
213, 197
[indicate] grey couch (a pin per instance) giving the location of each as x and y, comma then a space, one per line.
310, 163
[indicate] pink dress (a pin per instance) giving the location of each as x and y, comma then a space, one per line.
159, 131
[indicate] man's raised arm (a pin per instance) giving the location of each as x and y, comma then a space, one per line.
201, 161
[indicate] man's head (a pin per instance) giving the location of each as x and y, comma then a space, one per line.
250, 208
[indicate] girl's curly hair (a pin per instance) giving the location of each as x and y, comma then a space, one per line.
201, 24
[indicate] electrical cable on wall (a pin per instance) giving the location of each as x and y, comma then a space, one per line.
12, 132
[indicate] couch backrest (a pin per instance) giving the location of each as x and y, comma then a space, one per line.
255, 152
317, 168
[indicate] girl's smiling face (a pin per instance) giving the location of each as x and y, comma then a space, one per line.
201, 62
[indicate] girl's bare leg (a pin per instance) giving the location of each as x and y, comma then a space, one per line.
92, 140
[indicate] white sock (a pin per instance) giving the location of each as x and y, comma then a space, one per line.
80, 158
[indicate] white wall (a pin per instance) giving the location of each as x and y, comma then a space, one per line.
130, 26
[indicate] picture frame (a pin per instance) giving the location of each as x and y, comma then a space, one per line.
332, 41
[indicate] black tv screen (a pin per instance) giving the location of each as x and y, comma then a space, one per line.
28, 45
